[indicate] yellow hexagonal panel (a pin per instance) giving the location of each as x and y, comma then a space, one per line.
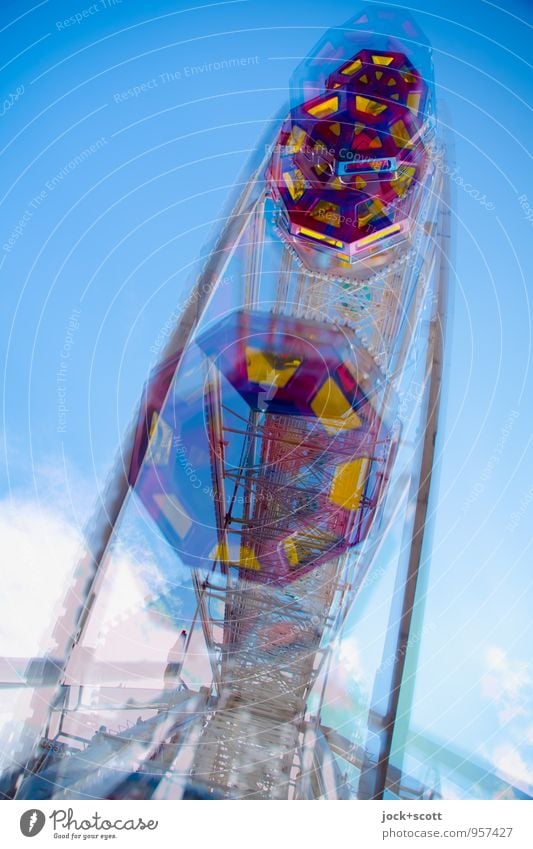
248, 560
328, 212
352, 68
295, 182
268, 369
349, 482
332, 408
296, 139
325, 108
301, 546
305, 231
369, 106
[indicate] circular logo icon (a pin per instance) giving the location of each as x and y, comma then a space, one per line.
32, 822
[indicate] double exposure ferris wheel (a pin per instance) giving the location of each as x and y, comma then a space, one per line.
278, 465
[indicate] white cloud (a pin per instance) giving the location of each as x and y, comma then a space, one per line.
39, 550
508, 682
350, 658
509, 685
495, 657
509, 760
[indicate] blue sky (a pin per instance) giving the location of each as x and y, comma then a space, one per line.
122, 138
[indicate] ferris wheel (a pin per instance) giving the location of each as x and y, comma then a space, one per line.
280, 456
